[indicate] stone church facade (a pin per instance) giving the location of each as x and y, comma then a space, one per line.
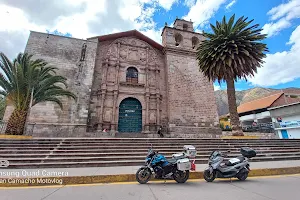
127, 84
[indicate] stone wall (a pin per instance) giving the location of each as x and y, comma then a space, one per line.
191, 100
67, 55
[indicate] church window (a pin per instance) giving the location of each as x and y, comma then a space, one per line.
132, 75
195, 42
178, 39
185, 27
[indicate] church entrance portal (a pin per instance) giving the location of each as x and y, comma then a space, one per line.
130, 116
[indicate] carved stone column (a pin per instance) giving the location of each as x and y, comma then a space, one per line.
100, 114
147, 113
104, 77
116, 91
147, 93
157, 109
157, 79
113, 127
157, 86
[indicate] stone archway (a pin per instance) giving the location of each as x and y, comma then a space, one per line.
130, 116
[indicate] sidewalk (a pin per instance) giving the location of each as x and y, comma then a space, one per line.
96, 171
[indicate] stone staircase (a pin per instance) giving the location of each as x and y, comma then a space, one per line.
96, 152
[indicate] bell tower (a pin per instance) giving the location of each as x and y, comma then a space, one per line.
192, 108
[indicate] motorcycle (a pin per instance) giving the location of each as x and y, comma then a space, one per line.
177, 168
238, 167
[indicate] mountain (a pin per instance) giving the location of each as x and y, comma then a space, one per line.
241, 97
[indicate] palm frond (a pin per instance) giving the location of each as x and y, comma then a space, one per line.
24, 75
232, 50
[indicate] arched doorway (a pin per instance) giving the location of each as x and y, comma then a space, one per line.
130, 116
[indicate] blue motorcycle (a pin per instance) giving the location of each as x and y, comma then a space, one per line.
177, 168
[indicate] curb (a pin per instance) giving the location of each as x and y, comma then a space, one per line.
239, 137
72, 180
15, 137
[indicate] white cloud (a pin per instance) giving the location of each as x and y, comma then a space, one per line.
167, 4
203, 10
274, 28
281, 17
217, 87
189, 3
81, 18
280, 67
228, 6
15, 31
283, 9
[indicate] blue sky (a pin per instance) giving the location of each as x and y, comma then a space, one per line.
254, 9
280, 19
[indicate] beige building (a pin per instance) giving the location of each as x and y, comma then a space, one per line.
128, 84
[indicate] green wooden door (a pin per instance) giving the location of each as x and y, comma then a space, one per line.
130, 116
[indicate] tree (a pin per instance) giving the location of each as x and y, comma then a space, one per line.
2, 107
233, 51
26, 82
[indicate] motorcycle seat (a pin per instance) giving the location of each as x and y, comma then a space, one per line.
172, 160
240, 158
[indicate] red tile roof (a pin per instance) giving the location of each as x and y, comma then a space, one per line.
259, 103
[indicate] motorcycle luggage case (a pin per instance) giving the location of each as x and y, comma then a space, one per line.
190, 151
184, 164
248, 152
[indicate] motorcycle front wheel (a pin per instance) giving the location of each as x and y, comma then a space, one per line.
143, 175
209, 177
181, 176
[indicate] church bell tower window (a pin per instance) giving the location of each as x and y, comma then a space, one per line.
132, 75
185, 27
178, 39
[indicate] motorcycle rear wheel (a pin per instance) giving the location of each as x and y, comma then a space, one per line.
242, 175
143, 175
209, 177
181, 176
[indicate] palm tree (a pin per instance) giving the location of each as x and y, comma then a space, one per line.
233, 51
26, 82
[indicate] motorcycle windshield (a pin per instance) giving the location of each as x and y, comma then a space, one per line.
214, 155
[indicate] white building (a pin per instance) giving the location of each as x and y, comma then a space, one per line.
287, 120
279, 112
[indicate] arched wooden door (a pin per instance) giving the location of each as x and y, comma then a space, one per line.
130, 116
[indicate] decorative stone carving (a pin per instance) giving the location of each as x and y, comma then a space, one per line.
133, 42
133, 54
123, 52
111, 74
143, 55
152, 56
79, 74
136, 42
152, 117
113, 51
83, 51
152, 78
152, 104
107, 115
108, 101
